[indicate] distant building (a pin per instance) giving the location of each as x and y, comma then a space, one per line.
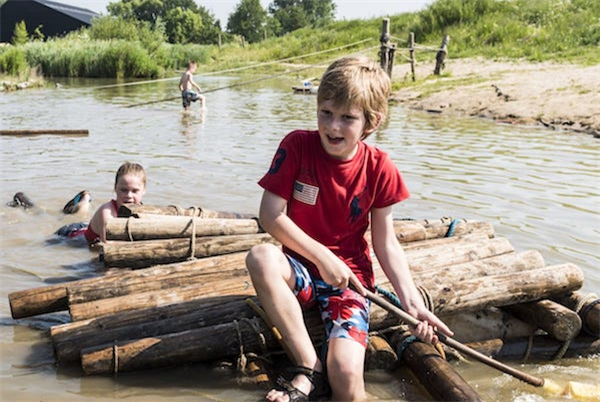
54, 19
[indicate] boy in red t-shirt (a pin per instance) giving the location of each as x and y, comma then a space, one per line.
321, 193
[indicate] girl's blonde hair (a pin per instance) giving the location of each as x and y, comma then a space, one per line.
357, 81
130, 168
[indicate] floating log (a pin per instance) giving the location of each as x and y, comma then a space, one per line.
140, 254
539, 347
557, 320
128, 210
433, 372
73, 133
588, 308
169, 227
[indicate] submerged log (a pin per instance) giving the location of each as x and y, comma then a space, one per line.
588, 308
557, 320
539, 347
170, 227
128, 210
379, 355
433, 372
140, 254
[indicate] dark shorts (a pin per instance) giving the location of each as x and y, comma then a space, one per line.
187, 97
345, 313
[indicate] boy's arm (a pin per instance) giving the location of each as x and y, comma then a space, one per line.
273, 220
393, 261
194, 84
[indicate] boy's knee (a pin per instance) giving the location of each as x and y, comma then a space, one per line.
261, 256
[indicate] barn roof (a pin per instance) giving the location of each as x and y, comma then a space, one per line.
82, 14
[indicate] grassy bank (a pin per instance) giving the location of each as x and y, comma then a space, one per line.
535, 30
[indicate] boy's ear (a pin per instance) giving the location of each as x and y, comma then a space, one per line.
376, 124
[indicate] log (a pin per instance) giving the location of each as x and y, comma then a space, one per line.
433, 371
51, 298
169, 227
505, 289
134, 301
486, 324
141, 254
72, 133
197, 345
69, 339
128, 210
557, 320
410, 231
379, 354
588, 308
539, 347
503, 263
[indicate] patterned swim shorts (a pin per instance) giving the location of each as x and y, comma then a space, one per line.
345, 313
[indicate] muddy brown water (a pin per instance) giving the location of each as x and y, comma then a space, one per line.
540, 189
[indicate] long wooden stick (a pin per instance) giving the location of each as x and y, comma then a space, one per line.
404, 316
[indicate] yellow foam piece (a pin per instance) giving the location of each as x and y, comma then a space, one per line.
582, 392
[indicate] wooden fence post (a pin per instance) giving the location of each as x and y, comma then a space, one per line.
386, 53
411, 50
441, 55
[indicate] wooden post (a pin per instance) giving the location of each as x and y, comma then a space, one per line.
219, 41
386, 53
411, 50
441, 55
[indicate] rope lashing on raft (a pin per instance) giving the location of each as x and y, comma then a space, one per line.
391, 296
452, 227
193, 240
242, 360
583, 312
128, 229
115, 350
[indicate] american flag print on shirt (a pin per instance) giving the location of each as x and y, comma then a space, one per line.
305, 193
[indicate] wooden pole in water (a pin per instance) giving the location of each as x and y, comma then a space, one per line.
74, 133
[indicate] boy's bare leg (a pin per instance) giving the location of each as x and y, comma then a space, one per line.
345, 369
273, 280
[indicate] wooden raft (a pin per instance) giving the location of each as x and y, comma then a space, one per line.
183, 296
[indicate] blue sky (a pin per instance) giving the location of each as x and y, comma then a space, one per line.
346, 9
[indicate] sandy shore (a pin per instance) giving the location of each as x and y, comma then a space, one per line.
557, 96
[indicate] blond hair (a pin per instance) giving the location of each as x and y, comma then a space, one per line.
130, 168
357, 81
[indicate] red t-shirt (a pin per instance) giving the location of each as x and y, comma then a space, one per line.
331, 199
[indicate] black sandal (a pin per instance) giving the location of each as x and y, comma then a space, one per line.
317, 378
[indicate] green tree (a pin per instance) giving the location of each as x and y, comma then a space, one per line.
184, 20
248, 19
183, 26
295, 14
20, 35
